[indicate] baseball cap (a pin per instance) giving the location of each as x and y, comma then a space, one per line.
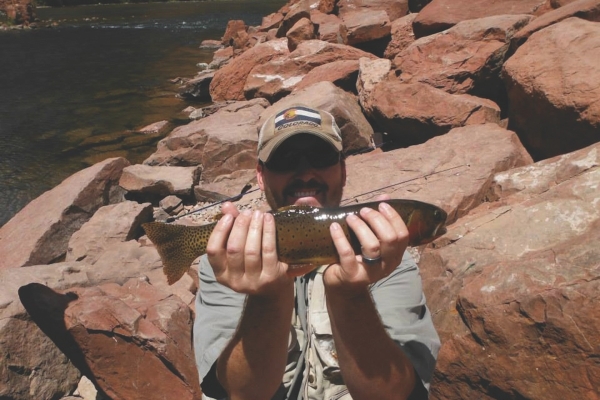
293, 120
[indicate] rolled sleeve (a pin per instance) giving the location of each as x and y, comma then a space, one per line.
401, 304
218, 311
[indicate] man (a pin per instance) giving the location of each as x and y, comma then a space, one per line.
359, 329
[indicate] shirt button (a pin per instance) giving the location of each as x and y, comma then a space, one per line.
311, 378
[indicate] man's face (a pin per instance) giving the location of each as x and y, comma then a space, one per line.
301, 182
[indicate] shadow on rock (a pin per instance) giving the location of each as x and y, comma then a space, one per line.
47, 309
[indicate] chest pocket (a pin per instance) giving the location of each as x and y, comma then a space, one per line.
324, 379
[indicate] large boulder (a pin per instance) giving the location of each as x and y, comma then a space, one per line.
366, 26
222, 143
111, 224
228, 82
120, 328
36, 366
394, 9
552, 88
402, 36
342, 73
357, 134
155, 182
451, 170
276, 79
40, 232
584, 9
330, 27
301, 31
513, 287
466, 58
297, 10
413, 113
440, 15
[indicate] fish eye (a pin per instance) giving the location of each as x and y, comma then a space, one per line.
438, 215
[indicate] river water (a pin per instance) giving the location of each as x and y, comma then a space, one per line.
71, 94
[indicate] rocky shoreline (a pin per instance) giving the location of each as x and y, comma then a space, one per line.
489, 110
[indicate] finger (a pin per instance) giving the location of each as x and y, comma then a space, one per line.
382, 225
217, 244
395, 220
269, 246
229, 208
368, 240
236, 244
348, 263
253, 248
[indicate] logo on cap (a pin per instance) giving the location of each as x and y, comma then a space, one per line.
297, 116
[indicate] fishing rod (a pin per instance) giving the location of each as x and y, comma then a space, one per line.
246, 190
406, 181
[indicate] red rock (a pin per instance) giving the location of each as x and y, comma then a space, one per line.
464, 169
393, 8
326, 6
439, 15
466, 58
159, 181
160, 127
211, 44
366, 26
111, 224
39, 233
197, 88
371, 72
297, 11
356, 131
240, 41
330, 27
221, 57
402, 36
553, 104
225, 186
271, 21
228, 82
301, 31
413, 113
119, 328
234, 27
274, 80
584, 9
223, 142
510, 307
341, 73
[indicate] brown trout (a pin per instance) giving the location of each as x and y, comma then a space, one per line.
303, 235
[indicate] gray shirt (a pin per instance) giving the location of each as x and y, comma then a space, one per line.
399, 299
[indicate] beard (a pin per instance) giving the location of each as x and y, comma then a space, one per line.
326, 196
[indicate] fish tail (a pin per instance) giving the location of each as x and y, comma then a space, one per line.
177, 245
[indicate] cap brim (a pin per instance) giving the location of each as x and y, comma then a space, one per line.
266, 152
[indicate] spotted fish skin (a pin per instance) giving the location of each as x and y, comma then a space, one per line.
303, 235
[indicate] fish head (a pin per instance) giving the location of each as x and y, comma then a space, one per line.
425, 224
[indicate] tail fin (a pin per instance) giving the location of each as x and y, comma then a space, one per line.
177, 245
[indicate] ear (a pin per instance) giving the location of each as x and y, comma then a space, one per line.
259, 176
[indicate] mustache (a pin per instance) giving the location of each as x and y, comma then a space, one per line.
299, 185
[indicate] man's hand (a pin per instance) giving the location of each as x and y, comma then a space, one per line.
242, 251
383, 236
